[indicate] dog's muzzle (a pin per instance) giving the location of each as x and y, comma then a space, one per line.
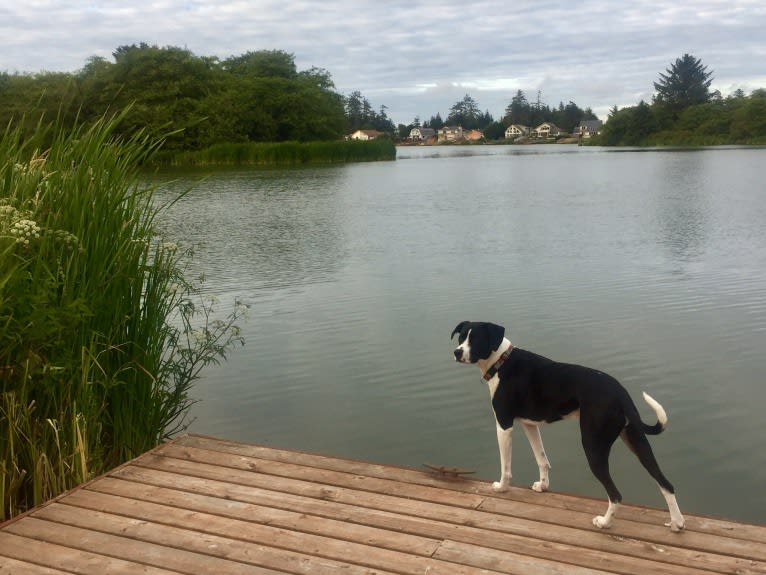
459, 355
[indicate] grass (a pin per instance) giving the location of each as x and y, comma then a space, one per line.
284, 153
100, 333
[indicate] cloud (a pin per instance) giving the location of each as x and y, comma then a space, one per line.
419, 57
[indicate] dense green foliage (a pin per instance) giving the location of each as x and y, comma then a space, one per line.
287, 153
684, 112
192, 102
100, 332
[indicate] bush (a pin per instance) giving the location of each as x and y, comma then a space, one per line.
98, 337
285, 153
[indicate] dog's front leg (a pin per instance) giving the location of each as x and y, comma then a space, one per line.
536, 441
504, 442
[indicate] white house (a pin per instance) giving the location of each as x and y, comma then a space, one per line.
422, 134
365, 135
515, 130
547, 130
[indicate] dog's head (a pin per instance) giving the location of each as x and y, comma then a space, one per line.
477, 340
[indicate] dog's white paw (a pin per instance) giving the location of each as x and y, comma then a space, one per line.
500, 486
602, 522
676, 526
540, 486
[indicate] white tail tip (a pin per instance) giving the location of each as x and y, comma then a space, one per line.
662, 417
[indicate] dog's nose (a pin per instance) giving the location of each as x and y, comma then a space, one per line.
458, 354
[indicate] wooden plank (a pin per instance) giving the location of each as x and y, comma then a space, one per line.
13, 567
237, 541
258, 523
355, 518
658, 534
588, 505
186, 472
359, 481
202, 505
596, 540
33, 553
117, 545
496, 560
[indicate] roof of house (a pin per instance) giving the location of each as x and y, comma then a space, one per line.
553, 127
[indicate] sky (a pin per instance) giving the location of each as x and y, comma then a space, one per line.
419, 57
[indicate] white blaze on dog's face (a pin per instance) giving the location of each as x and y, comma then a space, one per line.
463, 351
477, 340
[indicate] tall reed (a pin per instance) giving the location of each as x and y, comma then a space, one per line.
98, 340
285, 153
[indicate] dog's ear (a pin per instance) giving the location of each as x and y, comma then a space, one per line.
459, 328
496, 333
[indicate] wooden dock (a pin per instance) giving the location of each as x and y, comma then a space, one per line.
201, 505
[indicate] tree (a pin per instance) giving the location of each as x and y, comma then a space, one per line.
435, 122
263, 63
686, 83
360, 115
494, 131
518, 111
465, 113
629, 126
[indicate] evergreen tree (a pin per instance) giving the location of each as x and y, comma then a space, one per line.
685, 83
465, 113
518, 111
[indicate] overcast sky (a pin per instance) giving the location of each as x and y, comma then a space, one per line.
419, 57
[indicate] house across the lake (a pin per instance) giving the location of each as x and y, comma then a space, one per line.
547, 130
473, 135
365, 135
515, 131
451, 134
418, 134
588, 128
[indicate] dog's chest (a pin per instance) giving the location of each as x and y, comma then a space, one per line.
492, 385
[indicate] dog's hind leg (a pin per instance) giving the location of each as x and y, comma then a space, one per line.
599, 465
597, 445
536, 441
636, 440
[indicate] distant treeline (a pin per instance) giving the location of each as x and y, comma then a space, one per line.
735, 119
685, 112
192, 102
466, 113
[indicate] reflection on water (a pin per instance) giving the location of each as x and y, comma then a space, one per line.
278, 229
650, 265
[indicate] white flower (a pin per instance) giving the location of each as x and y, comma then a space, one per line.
24, 230
242, 309
200, 335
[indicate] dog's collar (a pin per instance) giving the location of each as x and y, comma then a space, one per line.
490, 373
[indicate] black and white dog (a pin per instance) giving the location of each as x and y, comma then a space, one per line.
532, 390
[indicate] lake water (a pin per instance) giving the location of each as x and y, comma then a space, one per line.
648, 264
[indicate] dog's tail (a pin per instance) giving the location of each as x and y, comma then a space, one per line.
662, 417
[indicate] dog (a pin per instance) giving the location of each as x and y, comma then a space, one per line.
531, 389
